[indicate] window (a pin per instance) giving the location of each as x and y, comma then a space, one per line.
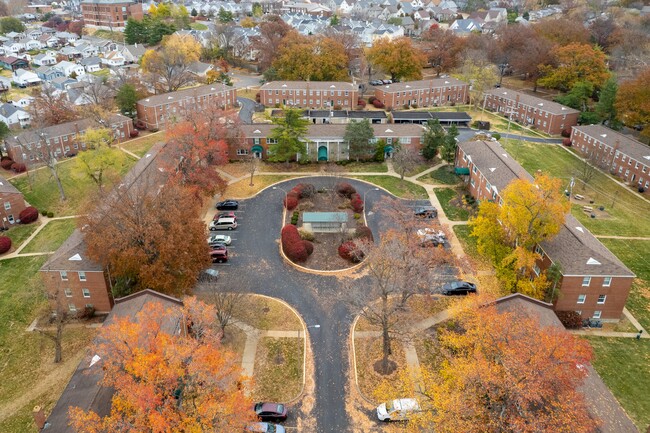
64, 275
242, 152
607, 281
538, 250
582, 299
536, 269
472, 182
68, 293
597, 314
7, 205
82, 276
86, 293
488, 186
474, 169
586, 281
601, 299
256, 141
72, 308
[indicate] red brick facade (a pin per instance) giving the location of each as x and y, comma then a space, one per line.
547, 116
110, 14
79, 289
423, 93
616, 153
12, 203
310, 94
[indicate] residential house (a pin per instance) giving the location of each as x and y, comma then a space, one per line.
86, 49
49, 40
12, 203
423, 93
34, 33
91, 64
44, 60
113, 59
531, 111
66, 38
70, 52
49, 73
156, 110
25, 78
29, 147
306, 94
133, 53
62, 83
326, 142
23, 102
620, 154
12, 47
69, 68
103, 45
110, 14
30, 44
5, 84
13, 63
200, 69
465, 26
594, 282
14, 117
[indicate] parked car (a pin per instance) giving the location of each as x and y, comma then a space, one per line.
458, 288
267, 411
224, 215
265, 427
211, 273
220, 247
426, 211
387, 81
397, 410
376, 82
227, 205
219, 239
223, 224
429, 236
219, 256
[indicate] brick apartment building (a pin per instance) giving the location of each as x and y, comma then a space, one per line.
156, 111
310, 94
325, 142
12, 203
423, 93
612, 151
30, 147
594, 281
110, 14
546, 116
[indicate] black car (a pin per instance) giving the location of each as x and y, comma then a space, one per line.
426, 212
227, 205
458, 288
271, 411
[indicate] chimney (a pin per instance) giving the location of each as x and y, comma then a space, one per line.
39, 417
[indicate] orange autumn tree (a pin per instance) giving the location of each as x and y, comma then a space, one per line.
170, 374
502, 371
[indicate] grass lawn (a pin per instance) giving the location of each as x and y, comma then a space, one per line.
107, 34
104, 73
454, 213
468, 242
500, 123
51, 237
42, 191
248, 92
278, 369
400, 188
19, 232
242, 189
268, 314
444, 175
629, 381
365, 167
141, 145
198, 26
627, 214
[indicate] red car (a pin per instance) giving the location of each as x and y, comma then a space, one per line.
224, 215
219, 255
271, 411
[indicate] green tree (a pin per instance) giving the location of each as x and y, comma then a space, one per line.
225, 16
181, 17
448, 151
395, 21
194, 13
100, 160
358, 136
156, 30
380, 150
135, 32
11, 24
126, 99
288, 135
432, 139
4, 130
578, 96
335, 21
257, 10
605, 108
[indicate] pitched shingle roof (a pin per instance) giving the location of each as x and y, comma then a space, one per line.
532, 101
422, 84
626, 144
311, 85
167, 98
7, 188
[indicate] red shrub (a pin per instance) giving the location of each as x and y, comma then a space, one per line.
566, 142
5, 244
28, 215
361, 103
357, 203
566, 133
6, 163
570, 319
304, 190
309, 247
372, 99
294, 247
364, 233
19, 167
134, 133
377, 103
345, 189
350, 252
291, 201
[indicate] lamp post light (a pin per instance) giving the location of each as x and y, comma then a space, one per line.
285, 193
364, 197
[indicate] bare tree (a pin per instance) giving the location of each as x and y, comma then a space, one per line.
59, 319
227, 302
405, 159
252, 163
48, 156
587, 169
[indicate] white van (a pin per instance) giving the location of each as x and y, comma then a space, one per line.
223, 224
397, 410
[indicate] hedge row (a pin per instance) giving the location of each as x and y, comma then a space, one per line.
5, 244
302, 190
28, 215
356, 203
293, 246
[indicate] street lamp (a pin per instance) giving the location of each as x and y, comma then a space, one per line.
364, 197
284, 191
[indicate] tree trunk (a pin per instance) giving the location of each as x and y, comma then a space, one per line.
386, 352
58, 182
58, 350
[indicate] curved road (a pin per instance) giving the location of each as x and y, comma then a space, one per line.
255, 263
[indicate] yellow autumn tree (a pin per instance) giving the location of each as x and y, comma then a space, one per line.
399, 58
169, 65
576, 62
100, 161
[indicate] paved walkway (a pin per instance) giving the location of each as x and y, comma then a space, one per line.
44, 221
631, 238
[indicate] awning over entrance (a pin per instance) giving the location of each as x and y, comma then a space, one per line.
461, 171
322, 153
257, 148
388, 149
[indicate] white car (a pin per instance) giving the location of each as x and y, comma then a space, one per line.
219, 239
397, 410
265, 427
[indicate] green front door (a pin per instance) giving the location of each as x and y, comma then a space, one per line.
322, 153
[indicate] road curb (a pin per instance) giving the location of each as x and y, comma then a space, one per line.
354, 362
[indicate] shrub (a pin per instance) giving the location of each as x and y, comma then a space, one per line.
337, 107
361, 103
19, 167
496, 136
44, 212
406, 106
307, 190
356, 203
305, 206
414, 106
372, 99
306, 235
345, 189
292, 245
356, 216
566, 133
350, 252
6, 163
377, 103
570, 319
134, 133
28, 215
363, 232
50, 214
566, 142
309, 247
5, 244
86, 313
291, 202
140, 125
154, 130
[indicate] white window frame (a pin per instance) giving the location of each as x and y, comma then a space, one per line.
68, 293
86, 293
597, 314
586, 280
604, 299
581, 299
64, 275
82, 276
72, 308
607, 281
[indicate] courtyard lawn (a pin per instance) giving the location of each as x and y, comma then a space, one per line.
629, 381
278, 369
198, 26
141, 145
243, 189
41, 191
625, 213
443, 176
19, 232
453, 212
51, 236
467, 241
365, 167
400, 188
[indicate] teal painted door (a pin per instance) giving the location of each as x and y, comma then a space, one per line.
322, 153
